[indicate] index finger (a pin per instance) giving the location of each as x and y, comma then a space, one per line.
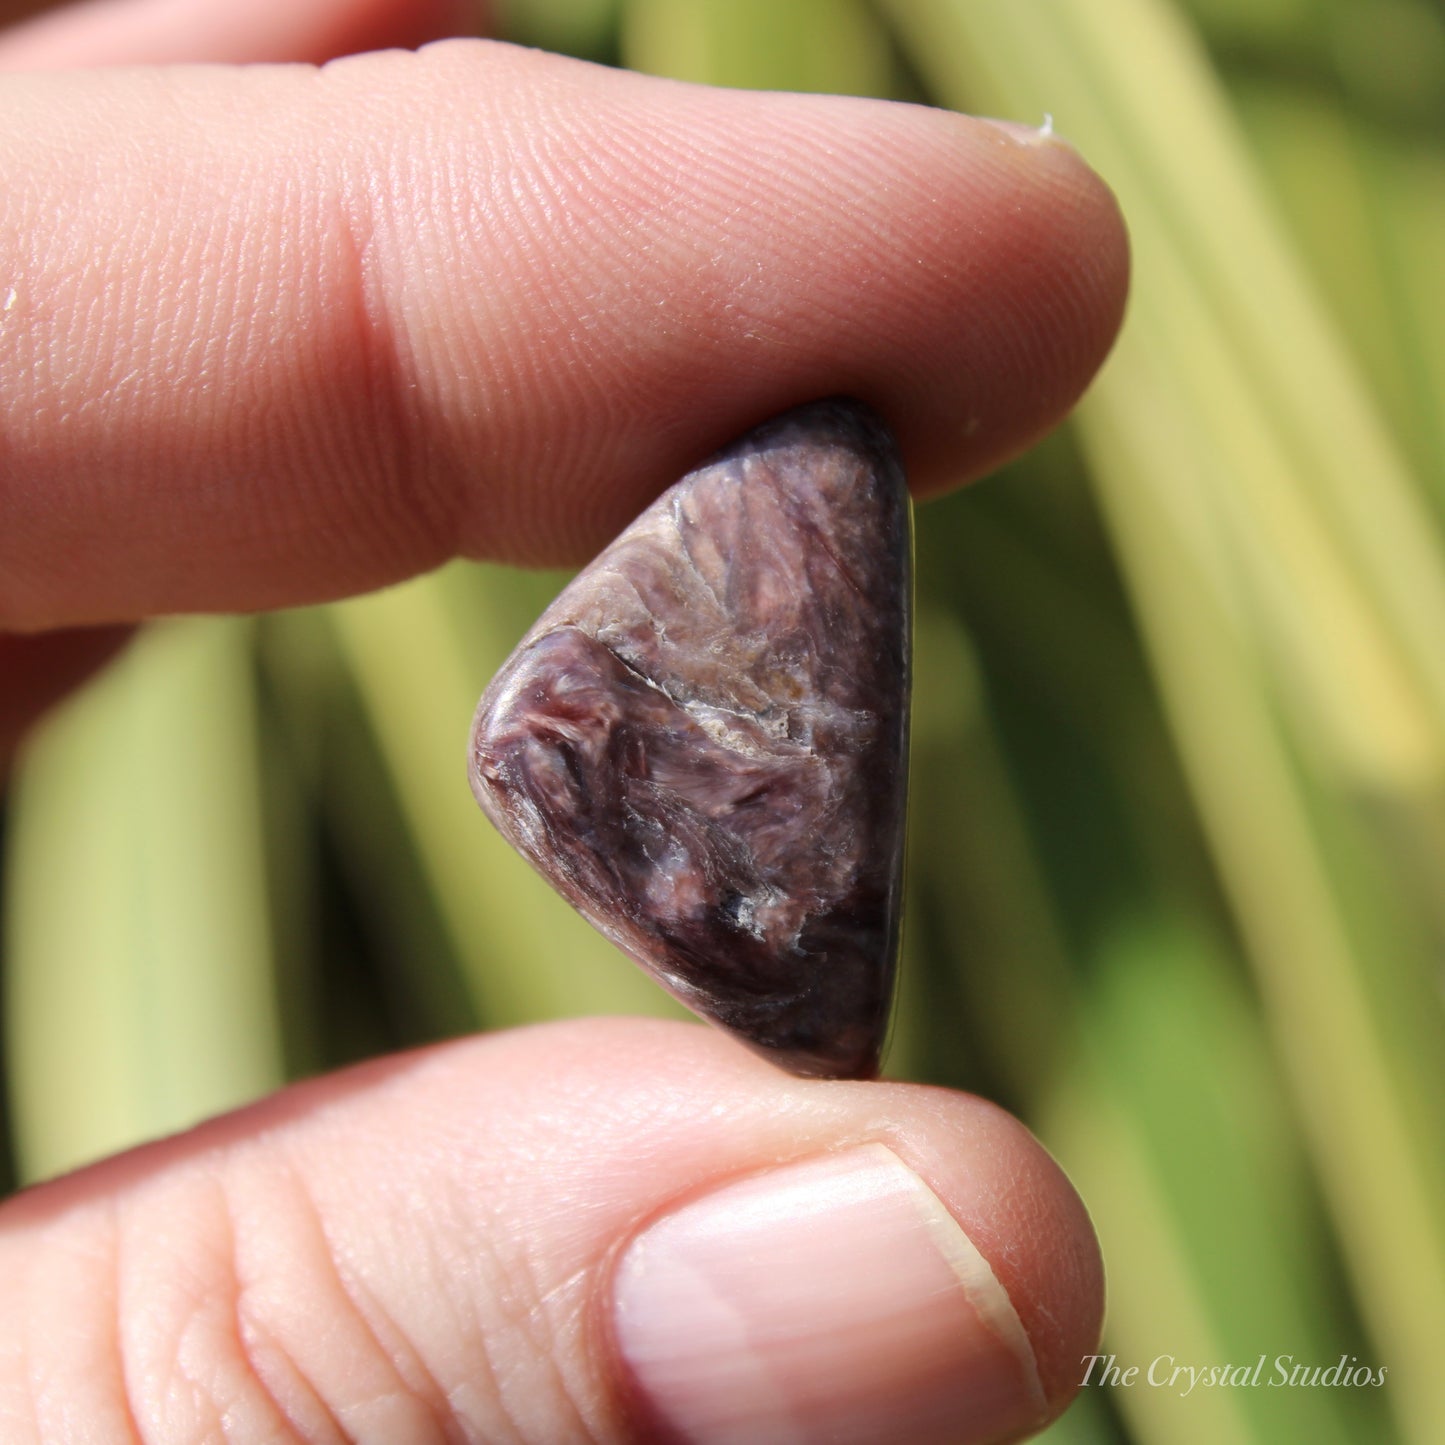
274, 335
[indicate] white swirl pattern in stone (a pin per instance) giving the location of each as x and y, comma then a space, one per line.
702, 743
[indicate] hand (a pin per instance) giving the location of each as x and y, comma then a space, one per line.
274, 335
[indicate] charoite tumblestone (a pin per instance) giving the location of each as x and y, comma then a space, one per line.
703, 742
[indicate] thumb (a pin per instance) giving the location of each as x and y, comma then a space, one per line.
601, 1231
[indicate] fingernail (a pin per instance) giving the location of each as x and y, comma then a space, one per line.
834, 1299
1022, 134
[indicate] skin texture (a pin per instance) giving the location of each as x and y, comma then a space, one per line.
280, 334
402, 1243
325, 325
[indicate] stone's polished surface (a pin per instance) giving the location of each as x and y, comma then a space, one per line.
702, 743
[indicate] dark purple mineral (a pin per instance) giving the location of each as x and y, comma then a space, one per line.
703, 742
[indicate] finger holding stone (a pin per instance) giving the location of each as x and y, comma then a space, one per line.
277, 335
35, 671
607, 1230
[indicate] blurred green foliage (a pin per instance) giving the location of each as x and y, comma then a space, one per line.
1177, 887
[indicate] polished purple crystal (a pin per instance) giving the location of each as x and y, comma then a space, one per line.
702, 743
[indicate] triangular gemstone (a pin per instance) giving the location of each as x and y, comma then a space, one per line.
702, 744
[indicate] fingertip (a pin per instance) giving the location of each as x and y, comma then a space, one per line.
922, 1271
1018, 1206
718, 1113
1057, 250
